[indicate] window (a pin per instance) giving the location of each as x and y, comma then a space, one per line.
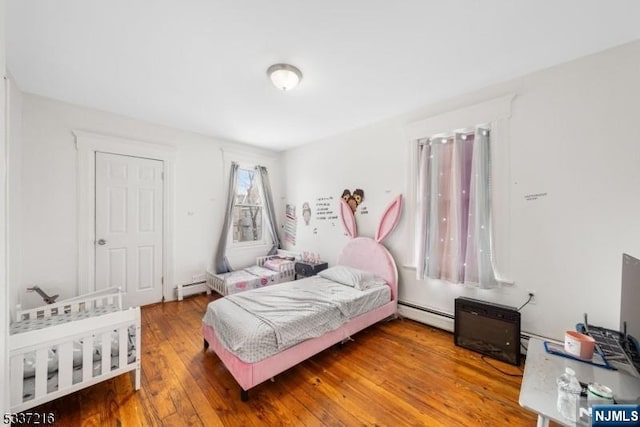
248, 208
249, 218
454, 233
477, 190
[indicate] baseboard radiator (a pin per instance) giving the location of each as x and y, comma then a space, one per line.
446, 321
435, 318
192, 289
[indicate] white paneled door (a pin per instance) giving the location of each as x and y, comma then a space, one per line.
128, 239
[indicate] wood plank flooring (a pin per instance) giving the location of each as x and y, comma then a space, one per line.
395, 373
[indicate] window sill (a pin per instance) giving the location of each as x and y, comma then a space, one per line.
501, 282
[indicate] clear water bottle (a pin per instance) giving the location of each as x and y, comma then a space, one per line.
569, 389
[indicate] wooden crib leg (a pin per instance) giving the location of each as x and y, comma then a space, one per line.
244, 395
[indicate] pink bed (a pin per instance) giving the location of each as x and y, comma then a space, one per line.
360, 252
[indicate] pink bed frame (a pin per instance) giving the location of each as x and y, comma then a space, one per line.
362, 253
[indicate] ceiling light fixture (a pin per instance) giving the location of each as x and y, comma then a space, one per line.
284, 76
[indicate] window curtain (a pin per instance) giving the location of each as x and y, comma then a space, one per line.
221, 261
453, 223
269, 209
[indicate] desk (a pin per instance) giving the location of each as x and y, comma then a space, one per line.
539, 391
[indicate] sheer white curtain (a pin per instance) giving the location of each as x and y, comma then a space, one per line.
453, 223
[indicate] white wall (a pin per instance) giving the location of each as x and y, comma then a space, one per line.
49, 222
4, 291
573, 135
361, 159
14, 178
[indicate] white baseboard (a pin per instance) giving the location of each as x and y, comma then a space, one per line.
426, 317
191, 289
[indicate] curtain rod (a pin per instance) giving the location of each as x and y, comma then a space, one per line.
447, 136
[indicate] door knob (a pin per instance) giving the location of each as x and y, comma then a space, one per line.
102, 242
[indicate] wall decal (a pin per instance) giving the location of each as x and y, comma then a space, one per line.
534, 196
306, 213
290, 225
325, 209
353, 200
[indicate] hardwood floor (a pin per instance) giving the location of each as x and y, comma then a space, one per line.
395, 373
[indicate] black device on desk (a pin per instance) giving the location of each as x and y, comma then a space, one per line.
619, 349
308, 269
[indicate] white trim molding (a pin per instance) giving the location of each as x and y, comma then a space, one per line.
468, 117
87, 144
4, 197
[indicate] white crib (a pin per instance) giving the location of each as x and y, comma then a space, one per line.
60, 348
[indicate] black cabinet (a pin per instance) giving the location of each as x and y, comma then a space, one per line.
306, 269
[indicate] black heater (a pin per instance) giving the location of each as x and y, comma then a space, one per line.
489, 329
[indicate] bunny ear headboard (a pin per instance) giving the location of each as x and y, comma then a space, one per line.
368, 254
389, 219
348, 220
388, 222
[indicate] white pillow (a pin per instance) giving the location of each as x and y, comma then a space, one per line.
374, 282
347, 276
353, 277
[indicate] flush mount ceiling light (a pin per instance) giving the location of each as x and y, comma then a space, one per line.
284, 76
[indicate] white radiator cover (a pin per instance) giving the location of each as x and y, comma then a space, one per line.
426, 317
191, 289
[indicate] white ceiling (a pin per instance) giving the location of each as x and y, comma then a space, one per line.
200, 65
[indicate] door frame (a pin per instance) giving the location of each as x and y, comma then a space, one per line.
87, 144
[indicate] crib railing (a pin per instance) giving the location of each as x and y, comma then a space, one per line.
286, 270
111, 296
102, 331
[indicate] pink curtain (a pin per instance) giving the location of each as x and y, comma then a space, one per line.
453, 228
